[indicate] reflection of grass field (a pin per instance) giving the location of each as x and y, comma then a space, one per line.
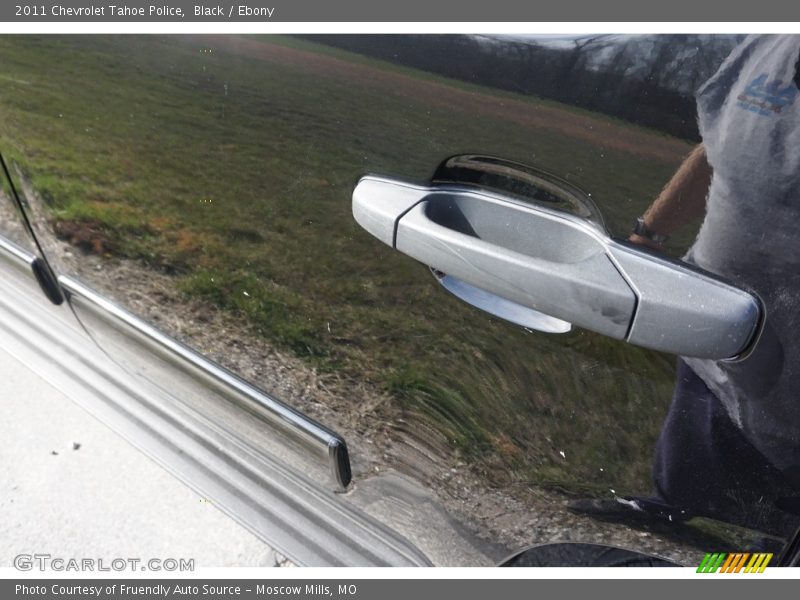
234, 172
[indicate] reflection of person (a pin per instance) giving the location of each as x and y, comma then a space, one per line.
730, 445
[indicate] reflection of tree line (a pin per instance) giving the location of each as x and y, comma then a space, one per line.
660, 95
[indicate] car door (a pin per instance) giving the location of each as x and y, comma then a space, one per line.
195, 195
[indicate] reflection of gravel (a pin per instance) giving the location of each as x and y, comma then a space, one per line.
378, 435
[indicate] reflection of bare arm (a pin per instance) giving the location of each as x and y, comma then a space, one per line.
682, 200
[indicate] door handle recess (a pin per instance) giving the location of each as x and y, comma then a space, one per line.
561, 265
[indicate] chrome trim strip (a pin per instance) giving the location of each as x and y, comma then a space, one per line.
326, 443
276, 501
17, 256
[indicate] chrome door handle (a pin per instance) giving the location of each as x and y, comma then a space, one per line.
559, 264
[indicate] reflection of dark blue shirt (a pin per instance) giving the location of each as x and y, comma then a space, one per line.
749, 116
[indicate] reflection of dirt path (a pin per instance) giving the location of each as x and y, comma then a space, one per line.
596, 129
380, 437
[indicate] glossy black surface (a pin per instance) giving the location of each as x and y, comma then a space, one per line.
204, 183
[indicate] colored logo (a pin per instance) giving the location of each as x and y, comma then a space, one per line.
767, 97
737, 562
